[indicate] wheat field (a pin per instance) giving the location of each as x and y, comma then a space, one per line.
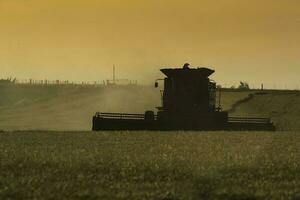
150, 165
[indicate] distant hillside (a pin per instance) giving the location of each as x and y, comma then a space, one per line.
72, 107
282, 107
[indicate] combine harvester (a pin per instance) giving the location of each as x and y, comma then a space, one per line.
188, 103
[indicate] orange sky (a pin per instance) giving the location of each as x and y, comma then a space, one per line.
253, 40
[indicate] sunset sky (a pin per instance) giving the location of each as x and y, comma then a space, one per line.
253, 40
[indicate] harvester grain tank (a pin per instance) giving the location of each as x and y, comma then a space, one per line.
188, 103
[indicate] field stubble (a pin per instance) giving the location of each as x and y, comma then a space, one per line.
149, 165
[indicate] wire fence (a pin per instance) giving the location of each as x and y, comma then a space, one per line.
57, 82
67, 82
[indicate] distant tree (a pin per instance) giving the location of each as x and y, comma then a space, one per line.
244, 86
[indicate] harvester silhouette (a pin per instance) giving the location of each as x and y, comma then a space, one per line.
188, 103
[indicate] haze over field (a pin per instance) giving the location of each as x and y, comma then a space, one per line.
255, 40
72, 107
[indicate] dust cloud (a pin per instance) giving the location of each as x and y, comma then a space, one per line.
70, 108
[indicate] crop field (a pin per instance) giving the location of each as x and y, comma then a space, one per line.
62, 159
150, 165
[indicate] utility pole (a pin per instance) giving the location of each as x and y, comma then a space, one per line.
114, 75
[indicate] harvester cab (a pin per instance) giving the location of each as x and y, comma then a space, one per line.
189, 90
189, 98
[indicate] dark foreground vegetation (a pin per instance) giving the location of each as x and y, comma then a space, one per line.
149, 165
